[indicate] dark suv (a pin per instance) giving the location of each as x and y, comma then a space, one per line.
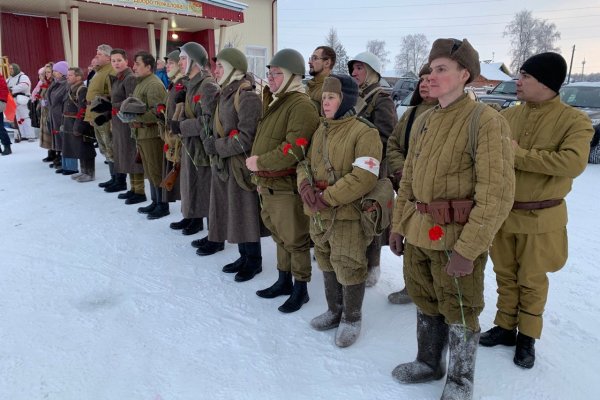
403, 88
586, 97
504, 94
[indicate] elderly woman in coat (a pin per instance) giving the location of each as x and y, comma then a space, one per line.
341, 167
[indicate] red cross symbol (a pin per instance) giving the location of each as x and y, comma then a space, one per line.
371, 163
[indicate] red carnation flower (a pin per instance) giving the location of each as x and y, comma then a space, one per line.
197, 98
436, 233
286, 148
234, 133
301, 142
114, 111
160, 109
179, 87
166, 147
54, 132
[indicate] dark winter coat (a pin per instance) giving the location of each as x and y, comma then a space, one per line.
234, 211
57, 95
195, 174
124, 147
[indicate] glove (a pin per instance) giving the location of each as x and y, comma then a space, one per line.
396, 243
180, 97
307, 193
101, 120
102, 107
175, 127
209, 145
458, 265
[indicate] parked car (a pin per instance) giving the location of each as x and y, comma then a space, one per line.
504, 94
586, 97
403, 88
403, 105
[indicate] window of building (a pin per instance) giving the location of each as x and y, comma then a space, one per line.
257, 60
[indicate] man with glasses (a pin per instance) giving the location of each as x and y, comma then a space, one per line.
288, 115
320, 64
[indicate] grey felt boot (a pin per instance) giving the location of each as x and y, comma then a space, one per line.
349, 328
461, 368
333, 293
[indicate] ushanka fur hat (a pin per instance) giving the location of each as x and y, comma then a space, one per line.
460, 51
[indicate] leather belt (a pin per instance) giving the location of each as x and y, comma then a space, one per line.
275, 174
138, 125
447, 211
535, 205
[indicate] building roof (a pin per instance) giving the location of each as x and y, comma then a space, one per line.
494, 71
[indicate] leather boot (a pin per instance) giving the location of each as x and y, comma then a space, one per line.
119, 184
147, 209
161, 210
111, 167
525, 351
179, 225
126, 195
198, 243
333, 294
249, 269
498, 335
6, 150
432, 341
400, 297
461, 367
136, 198
194, 226
282, 287
237, 264
298, 297
349, 328
209, 248
51, 156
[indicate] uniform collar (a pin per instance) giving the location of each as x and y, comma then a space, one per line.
548, 103
460, 102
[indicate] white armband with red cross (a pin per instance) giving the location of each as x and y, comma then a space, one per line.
367, 163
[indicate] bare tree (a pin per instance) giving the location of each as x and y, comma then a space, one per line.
341, 63
414, 50
377, 47
529, 36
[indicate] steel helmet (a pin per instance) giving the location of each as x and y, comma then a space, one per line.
289, 59
196, 52
236, 58
368, 58
173, 56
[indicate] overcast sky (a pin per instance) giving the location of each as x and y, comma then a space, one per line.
303, 25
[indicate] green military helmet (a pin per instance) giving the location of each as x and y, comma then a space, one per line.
289, 59
173, 56
366, 57
236, 58
196, 52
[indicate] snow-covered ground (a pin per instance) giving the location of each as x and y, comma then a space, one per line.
97, 302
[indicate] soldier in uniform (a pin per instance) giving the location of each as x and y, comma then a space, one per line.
151, 92
320, 64
457, 187
194, 125
341, 167
234, 207
124, 147
378, 108
551, 143
397, 147
99, 86
288, 115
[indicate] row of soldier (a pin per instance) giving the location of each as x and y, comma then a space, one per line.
313, 162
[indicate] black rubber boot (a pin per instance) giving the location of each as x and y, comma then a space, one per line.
111, 167
282, 287
461, 367
432, 341
195, 225
119, 184
298, 297
126, 195
179, 225
498, 335
161, 210
350, 324
334, 295
237, 264
525, 352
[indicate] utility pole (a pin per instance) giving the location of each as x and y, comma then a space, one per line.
571, 65
582, 67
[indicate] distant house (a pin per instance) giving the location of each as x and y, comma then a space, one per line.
491, 74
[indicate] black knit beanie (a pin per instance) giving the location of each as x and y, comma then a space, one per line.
548, 68
345, 86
